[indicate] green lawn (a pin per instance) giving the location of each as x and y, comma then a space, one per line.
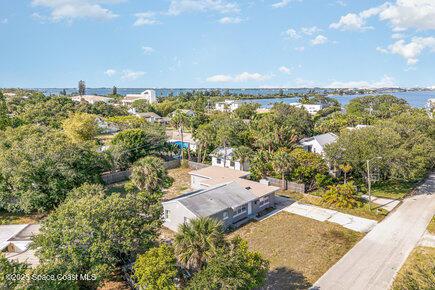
418, 272
431, 226
299, 249
13, 218
376, 213
394, 190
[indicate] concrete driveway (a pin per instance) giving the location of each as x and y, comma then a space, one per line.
376, 259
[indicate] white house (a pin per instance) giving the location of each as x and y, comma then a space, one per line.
316, 144
15, 241
91, 99
310, 108
227, 106
148, 95
222, 158
359, 126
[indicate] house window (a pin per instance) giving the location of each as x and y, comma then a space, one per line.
240, 210
232, 164
225, 215
167, 214
264, 200
218, 161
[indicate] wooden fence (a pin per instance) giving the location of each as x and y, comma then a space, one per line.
288, 185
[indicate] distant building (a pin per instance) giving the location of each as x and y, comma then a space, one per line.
316, 144
106, 127
187, 112
227, 106
149, 116
15, 241
220, 193
188, 142
310, 108
358, 127
148, 95
222, 158
91, 99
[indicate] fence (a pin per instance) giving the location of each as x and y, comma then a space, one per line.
196, 165
292, 186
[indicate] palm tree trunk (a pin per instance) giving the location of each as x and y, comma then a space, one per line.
182, 141
283, 181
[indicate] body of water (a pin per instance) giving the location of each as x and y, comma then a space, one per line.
416, 99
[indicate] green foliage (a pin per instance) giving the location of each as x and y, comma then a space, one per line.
260, 165
80, 127
8, 270
127, 122
97, 232
342, 195
102, 109
4, 116
247, 110
197, 241
38, 166
307, 166
46, 111
82, 88
156, 269
282, 163
166, 107
53, 270
323, 180
337, 121
242, 154
133, 144
142, 106
383, 107
149, 174
233, 267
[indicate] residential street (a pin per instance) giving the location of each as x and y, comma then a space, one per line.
375, 260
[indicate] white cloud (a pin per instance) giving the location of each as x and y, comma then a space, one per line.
310, 30
230, 20
411, 50
385, 82
182, 6
131, 75
319, 40
404, 14
147, 50
72, 9
110, 72
284, 3
240, 78
291, 33
284, 70
145, 18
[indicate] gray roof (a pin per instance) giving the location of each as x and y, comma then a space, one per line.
213, 200
323, 139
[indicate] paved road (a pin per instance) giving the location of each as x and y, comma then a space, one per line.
375, 260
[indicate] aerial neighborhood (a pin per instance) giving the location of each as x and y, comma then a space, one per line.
187, 187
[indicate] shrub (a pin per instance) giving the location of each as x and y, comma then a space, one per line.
342, 195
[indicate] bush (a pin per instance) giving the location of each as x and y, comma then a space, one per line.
342, 195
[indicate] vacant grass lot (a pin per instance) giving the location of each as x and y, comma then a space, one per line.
393, 190
376, 213
299, 249
418, 272
181, 182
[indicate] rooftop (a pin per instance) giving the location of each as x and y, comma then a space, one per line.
323, 139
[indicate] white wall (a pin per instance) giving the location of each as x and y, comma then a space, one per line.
178, 213
236, 165
316, 148
195, 182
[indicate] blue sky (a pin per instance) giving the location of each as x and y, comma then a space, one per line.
217, 43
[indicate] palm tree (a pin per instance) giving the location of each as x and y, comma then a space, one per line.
346, 168
149, 174
178, 120
205, 136
242, 154
282, 163
197, 241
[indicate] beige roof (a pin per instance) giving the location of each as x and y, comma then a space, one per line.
219, 175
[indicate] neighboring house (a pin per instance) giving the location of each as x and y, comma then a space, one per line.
148, 95
316, 144
227, 106
149, 116
106, 127
310, 108
91, 99
220, 193
187, 112
224, 158
15, 241
188, 141
358, 127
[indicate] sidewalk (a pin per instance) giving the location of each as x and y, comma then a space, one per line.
385, 203
354, 223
